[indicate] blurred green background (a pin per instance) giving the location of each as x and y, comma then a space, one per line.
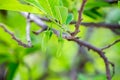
41, 62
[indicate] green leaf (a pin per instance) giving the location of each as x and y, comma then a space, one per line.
48, 6
96, 12
43, 42
35, 3
15, 5
90, 14
61, 14
5, 57
60, 45
49, 34
52, 8
66, 2
69, 18
11, 70
29, 51
94, 4
46, 37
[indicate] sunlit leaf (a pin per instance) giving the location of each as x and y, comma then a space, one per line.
60, 45
34, 3
15, 5
69, 18
48, 6
46, 37
62, 13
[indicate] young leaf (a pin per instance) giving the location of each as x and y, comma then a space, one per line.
35, 3
61, 14
48, 6
43, 44
60, 42
15, 5
46, 37
69, 18
59, 50
49, 34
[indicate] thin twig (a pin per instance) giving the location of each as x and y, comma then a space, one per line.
77, 25
110, 45
113, 66
39, 31
13, 36
38, 21
99, 51
101, 24
43, 26
81, 43
91, 24
28, 30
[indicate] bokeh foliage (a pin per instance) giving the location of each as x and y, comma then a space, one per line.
32, 63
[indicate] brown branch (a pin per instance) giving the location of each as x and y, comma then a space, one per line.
43, 26
77, 25
81, 43
110, 45
113, 66
91, 24
81, 58
101, 24
39, 31
89, 46
13, 36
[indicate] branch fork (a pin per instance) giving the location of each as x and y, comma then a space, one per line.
70, 37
